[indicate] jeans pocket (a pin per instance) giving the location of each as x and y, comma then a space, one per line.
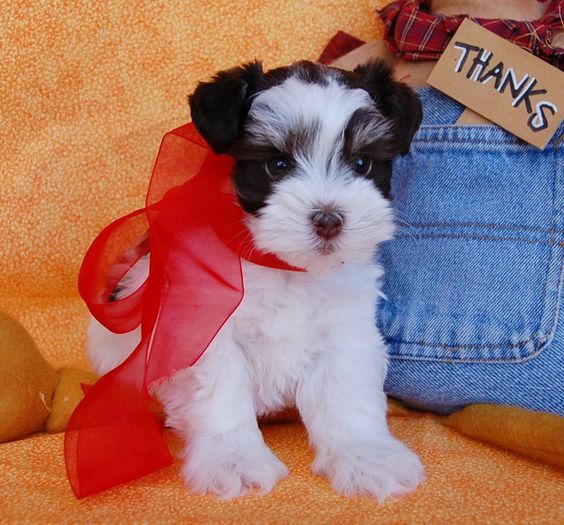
475, 270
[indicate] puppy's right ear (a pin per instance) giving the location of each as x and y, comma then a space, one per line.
219, 107
394, 99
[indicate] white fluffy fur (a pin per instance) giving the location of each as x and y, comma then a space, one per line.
295, 103
306, 338
283, 226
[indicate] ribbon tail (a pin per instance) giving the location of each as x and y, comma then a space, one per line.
195, 284
113, 437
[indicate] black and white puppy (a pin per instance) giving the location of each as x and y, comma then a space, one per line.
313, 148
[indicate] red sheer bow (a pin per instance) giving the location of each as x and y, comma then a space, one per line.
197, 236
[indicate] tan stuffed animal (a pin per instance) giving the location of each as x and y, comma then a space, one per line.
33, 395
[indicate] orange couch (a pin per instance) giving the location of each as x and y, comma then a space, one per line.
87, 91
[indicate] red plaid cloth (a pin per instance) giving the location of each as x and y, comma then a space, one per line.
412, 32
341, 44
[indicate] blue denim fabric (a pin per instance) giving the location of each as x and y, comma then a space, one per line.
474, 276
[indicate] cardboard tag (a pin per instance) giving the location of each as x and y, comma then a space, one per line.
502, 82
361, 55
471, 118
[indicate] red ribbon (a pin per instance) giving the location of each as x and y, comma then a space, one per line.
197, 236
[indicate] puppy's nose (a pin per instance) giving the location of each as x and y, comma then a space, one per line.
327, 223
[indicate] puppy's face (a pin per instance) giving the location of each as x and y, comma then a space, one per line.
313, 148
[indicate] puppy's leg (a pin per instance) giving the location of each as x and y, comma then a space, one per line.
211, 406
343, 405
107, 350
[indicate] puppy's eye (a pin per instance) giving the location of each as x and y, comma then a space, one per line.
279, 166
362, 165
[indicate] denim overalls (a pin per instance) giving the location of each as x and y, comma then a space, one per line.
474, 276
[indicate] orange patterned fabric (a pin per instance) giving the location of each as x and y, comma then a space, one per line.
87, 91
468, 482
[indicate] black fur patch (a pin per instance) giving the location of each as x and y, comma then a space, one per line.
251, 179
379, 148
220, 108
302, 138
310, 72
394, 99
114, 296
252, 184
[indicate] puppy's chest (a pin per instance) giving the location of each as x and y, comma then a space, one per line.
281, 322
287, 319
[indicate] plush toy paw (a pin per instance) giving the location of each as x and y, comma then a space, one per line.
27, 382
381, 469
228, 466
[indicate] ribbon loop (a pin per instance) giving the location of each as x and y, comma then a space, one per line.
194, 230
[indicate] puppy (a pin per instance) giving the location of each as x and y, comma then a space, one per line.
313, 147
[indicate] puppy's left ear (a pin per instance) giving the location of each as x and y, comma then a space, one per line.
394, 99
219, 107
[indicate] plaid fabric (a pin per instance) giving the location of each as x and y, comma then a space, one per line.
341, 44
412, 32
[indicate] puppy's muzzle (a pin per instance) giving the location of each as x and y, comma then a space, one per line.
327, 223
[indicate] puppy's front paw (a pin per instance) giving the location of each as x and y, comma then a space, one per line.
230, 465
380, 470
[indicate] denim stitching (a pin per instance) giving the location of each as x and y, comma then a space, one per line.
538, 347
483, 225
456, 361
553, 251
473, 237
539, 341
441, 135
462, 347
454, 134
432, 140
